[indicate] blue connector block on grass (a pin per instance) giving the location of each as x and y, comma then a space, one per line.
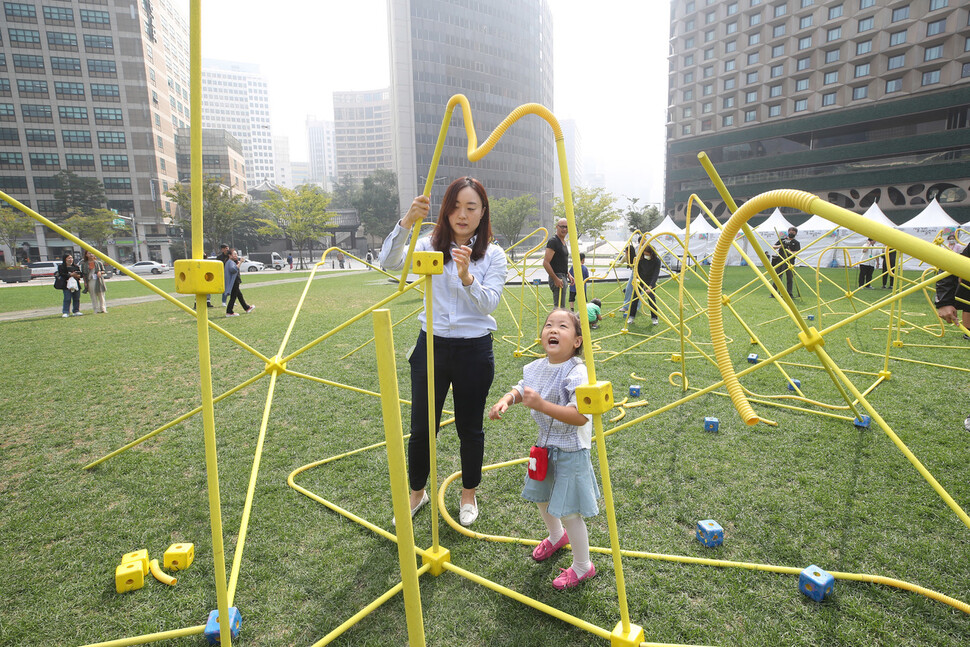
634, 390
811, 317
710, 533
753, 358
816, 583
862, 422
711, 424
212, 634
793, 384
536, 281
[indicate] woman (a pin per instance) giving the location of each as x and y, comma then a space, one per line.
233, 283
464, 297
647, 272
65, 271
94, 280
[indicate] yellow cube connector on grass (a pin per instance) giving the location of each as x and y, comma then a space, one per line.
193, 276
594, 398
140, 557
179, 557
128, 577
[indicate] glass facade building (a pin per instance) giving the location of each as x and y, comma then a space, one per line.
498, 53
856, 101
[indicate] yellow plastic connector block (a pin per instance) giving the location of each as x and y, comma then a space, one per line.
676, 357
128, 577
140, 557
193, 276
436, 559
275, 366
725, 299
811, 338
897, 343
179, 557
885, 374
631, 638
428, 263
594, 398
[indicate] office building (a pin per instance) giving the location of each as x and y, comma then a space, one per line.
856, 101
235, 97
573, 144
499, 55
281, 158
97, 89
323, 159
362, 133
222, 158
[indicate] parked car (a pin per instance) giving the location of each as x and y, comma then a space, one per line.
43, 268
272, 259
148, 267
246, 265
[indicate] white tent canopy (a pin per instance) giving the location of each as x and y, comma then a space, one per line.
703, 237
927, 225
667, 244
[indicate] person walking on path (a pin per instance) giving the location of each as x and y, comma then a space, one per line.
463, 298
235, 281
556, 264
67, 271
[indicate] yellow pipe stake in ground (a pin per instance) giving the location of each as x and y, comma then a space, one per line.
390, 405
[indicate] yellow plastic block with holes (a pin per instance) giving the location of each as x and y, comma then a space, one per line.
128, 577
179, 557
193, 276
630, 638
428, 263
594, 398
436, 559
139, 556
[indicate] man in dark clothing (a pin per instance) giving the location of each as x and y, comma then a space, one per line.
888, 267
786, 250
953, 295
556, 264
224, 256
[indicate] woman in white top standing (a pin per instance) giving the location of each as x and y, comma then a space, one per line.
463, 299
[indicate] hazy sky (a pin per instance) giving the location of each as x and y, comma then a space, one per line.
610, 71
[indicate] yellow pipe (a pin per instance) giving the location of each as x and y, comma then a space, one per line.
161, 575
393, 431
430, 401
148, 638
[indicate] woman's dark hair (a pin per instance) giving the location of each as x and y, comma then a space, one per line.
64, 257
442, 237
577, 326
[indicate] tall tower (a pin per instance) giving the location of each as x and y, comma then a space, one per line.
235, 97
499, 55
323, 159
362, 133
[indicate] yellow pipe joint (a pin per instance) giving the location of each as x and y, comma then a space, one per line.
595, 398
274, 366
725, 299
436, 558
811, 339
428, 263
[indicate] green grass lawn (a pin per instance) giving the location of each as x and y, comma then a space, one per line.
811, 490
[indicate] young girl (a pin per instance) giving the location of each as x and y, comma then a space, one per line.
569, 490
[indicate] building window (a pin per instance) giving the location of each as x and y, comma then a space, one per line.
72, 114
729, 83
774, 111
896, 62
114, 163
865, 24
706, 124
774, 91
753, 58
69, 91
730, 65
965, 71
707, 107
708, 71
109, 116
727, 120
751, 77
930, 78
777, 70
732, 27
860, 92
801, 85
11, 160
102, 69
111, 139
708, 53
835, 12
689, 94
750, 115
40, 137
105, 92
29, 63
830, 78
62, 41
751, 96
933, 53
901, 13
728, 102
708, 35
778, 50
897, 38
865, 4
66, 66
863, 48
688, 112
801, 105
732, 8
95, 19
32, 88
7, 113
707, 89
861, 71
116, 184
79, 160
803, 63
76, 138
936, 27
710, 17
98, 43
689, 43
805, 22
894, 85
754, 39
58, 15
778, 31
45, 161
29, 38
688, 60
806, 3
754, 19
938, 4
686, 129
16, 10
688, 77
828, 99
832, 55
36, 113
833, 34
804, 43
780, 9
730, 46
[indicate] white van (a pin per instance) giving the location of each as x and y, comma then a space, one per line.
269, 259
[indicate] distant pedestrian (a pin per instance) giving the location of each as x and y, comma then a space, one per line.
289, 259
572, 281
93, 271
235, 281
68, 280
224, 257
556, 264
867, 264
369, 257
340, 259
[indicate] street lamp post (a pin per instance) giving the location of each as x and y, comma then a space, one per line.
134, 231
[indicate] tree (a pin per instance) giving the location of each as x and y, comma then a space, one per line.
77, 194
377, 203
593, 209
299, 214
13, 225
345, 193
509, 216
94, 227
642, 219
222, 211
